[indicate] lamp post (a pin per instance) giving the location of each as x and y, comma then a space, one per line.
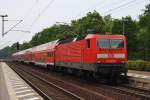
3, 16
123, 26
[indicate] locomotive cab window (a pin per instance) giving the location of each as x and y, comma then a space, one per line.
110, 43
117, 43
88, 43
103, 43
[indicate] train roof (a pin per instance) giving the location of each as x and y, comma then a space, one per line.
103, 36
46, 46
22, 52
52, 44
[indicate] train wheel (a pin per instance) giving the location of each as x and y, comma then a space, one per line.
89, 75
74, 72
112, 79
125, 78
63, 71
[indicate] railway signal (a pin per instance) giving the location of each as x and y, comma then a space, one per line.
17, 45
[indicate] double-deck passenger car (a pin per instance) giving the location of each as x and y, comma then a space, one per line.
93, 54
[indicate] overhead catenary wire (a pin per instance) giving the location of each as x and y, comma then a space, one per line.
111, 10
99, 3
39, 15
117, 10
12, 27
30, 10
24, 31
110, 4
27, 14
120, 6
24, 17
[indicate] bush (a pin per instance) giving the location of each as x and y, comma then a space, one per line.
131, 65
148, 67
139, 65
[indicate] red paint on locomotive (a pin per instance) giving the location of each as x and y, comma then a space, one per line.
94, 53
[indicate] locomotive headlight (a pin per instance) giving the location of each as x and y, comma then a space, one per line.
122, 62
98, 61
102, 55
119, 55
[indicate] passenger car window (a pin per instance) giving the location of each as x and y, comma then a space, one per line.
50, 54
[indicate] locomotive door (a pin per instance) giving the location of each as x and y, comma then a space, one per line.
82, 55
55, 55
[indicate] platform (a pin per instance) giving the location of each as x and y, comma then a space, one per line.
139, 79
13, 87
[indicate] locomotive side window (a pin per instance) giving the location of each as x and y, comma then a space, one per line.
88, 43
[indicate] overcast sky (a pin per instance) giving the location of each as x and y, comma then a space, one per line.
40, 14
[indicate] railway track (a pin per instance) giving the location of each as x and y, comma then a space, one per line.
90, 91
142, 94
82, 92
46, 89
142, 90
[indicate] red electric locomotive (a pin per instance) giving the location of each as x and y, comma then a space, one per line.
102, 55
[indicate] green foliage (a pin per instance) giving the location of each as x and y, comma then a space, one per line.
5, 53
144, 33
137, 33
52, 33
108, 23
25, 45
139, 65
92, 21
147, 68
117, 26
131, 30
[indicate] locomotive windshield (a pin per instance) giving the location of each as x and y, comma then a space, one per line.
110, 43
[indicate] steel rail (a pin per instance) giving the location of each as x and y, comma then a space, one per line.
45, 96
55, 86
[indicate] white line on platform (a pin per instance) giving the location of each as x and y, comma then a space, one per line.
19, 96
33, 98
17, 83
21, 88
17, 86
23, 91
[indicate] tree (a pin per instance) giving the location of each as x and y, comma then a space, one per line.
131, 30
5, 52
108, 23
92, 21
25, 45
117, 26
145, 32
